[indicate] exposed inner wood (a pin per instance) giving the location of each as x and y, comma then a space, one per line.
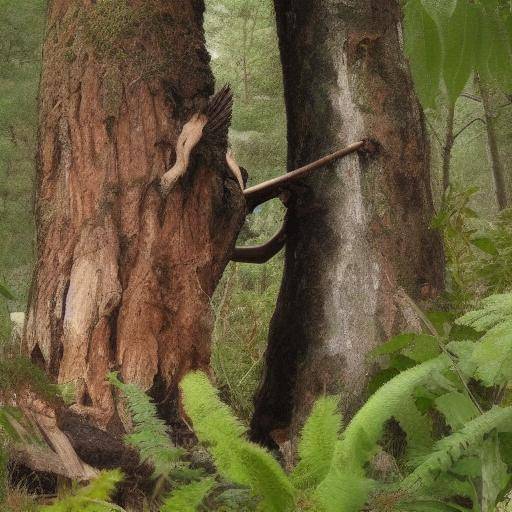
235, 169
187, 141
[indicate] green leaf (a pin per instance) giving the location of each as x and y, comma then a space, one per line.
440, 10
395, 344
342, 491
452, 448
457, 409
495, 476
237, 459
460, 37
500, 60
417, 427
5, 292
486, 245
189, 497
423, 47
316, 446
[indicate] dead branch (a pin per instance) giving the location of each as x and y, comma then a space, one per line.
261, 253
272, 188
61, 458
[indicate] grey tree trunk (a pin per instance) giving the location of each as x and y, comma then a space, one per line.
359, 230
498, 171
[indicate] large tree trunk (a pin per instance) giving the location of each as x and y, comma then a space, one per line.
358, 234
124, 272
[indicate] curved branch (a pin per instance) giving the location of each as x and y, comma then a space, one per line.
272, 188
467, 126
261, 253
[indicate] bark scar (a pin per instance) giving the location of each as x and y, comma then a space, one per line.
189, 137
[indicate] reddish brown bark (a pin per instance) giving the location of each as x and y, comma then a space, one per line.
124, 275
358, 233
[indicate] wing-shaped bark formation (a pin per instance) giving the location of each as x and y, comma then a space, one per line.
125, 273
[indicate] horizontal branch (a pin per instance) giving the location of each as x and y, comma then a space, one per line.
261, 253
272, 188
467, 126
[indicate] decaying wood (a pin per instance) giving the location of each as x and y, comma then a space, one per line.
187, 141
261, 253
60, 457
272, 188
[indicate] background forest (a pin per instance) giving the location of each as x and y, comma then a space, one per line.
470, 132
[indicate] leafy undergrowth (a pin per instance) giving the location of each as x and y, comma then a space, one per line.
449, 394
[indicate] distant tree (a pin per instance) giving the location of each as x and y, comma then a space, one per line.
450, 42
359, 241
21, 29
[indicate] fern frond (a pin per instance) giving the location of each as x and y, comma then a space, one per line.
496, 309
364, 431
342, 491
449, 450
189, 497
237, 459
316, 446
201, 401
150, 436
417, 428
92, 498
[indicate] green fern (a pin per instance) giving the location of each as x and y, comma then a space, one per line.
188, 497
149, 434
449, 450
316, 446
359, 440
237, 459
492, 356
417, 427
92, 498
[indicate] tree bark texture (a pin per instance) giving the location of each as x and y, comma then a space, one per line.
498, 171
124, 275
358, 233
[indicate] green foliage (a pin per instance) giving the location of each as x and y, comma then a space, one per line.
92, 498
450, 449
460, 37
149, 435
237, 460
246, 55
478, 252
492, 357
21, 28
460, 43
316, 446
189, 497
424, 51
